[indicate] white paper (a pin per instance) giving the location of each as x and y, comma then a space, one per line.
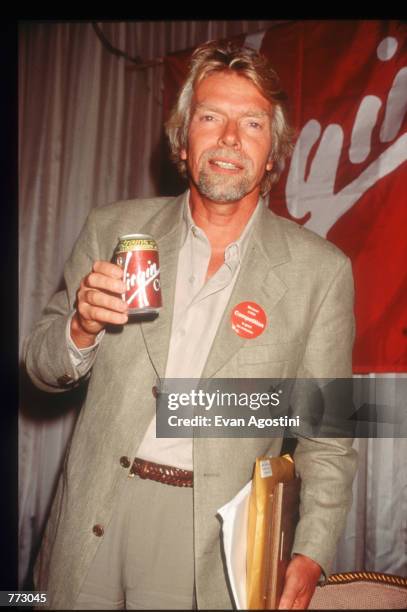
234, 528
265, 468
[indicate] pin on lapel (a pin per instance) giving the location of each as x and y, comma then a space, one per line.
248, 319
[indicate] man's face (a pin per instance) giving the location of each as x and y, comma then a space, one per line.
229, 138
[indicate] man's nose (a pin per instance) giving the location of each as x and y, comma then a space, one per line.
230, 135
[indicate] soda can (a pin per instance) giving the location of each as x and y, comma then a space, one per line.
137, 254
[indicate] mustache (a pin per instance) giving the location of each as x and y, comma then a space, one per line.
231, 155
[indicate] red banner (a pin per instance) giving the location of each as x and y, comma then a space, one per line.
346, 180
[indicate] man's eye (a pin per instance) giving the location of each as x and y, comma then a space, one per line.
207, 118
255, 124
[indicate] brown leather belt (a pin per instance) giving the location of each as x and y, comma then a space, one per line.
162, 473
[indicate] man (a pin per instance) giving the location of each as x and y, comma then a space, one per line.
153, 541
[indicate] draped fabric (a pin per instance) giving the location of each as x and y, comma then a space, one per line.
90, 132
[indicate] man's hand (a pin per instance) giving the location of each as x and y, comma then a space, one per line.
98, 303
300, 582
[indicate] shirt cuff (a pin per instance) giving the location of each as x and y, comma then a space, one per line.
82, 359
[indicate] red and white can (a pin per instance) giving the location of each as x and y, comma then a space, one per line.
137, 254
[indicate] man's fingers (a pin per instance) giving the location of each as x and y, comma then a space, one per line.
96, 314
300, 581
301, 603
105, 276
290, 592
108, 269
294, 600
102, 315
96, 280
98, 303
105, 300
97, 307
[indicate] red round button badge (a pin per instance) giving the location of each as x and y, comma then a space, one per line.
248, 320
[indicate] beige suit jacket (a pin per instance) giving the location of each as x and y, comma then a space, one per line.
305, 286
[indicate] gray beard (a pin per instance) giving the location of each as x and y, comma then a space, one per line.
223, 188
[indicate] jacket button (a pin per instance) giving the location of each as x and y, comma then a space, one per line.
65, 380
98, 530
154, 391
125, 462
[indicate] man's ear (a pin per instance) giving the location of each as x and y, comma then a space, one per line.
269, 165
183, 154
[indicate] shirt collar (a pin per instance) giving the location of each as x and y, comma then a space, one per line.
235, 250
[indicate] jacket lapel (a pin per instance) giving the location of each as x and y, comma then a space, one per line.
257, 282
166, 228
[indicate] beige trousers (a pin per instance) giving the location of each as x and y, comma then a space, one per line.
145, 560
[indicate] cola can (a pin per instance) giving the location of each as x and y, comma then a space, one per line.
137, 254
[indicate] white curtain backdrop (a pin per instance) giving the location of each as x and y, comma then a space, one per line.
90, 128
